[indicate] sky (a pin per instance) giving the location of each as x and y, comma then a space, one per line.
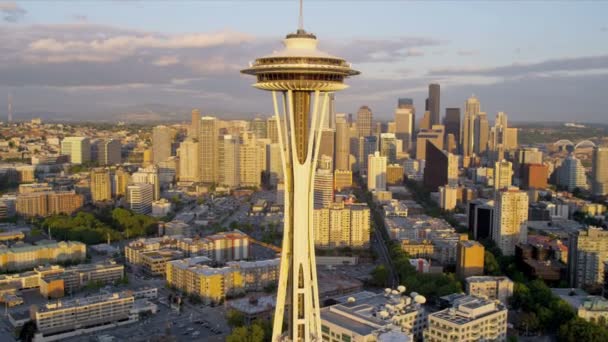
536, 61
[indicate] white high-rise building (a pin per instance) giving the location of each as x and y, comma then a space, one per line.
294, 74
510, 219
274, 168
503, 174
388, 147
324, 188
161, 143
229, 161
188, 153
404, 127
472, 109
148, 175
140, 198
342, 146
376, 172
448, 197
599, 171
78, 148
252, 158
571, 174
208, 143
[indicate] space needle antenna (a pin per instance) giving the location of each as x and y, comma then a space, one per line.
301, 17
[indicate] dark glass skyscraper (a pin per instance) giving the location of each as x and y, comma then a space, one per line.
434, 104
452, 123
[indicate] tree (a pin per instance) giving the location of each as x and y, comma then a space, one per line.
491, 266
27, 331
254, 333
528, 322
380, 276
235, 319
577, 330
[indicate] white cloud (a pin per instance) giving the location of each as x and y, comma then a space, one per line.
166, 60
11, 12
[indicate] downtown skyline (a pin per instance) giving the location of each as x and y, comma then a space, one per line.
88, 60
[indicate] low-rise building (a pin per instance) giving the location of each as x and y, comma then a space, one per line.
221, 247
469, 319
213, 284
363, 318
63, 319
254, 308
594, 309
488, 287
21, 255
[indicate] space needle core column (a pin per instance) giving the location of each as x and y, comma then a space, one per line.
297, 75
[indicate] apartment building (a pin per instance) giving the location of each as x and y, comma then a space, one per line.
469, 319
488, 287
22, 255
213, 284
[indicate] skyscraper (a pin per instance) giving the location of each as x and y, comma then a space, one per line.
101, 185
148, 175
434, 104
161, 143
293, 74
258, 127
140, 198
408, 103
510, 218
229, 169
471, 111
369, 146
272, 132
571, 174
78, 148
323, 188
388, 147
404, 127
342, 143
208, 142
120, 182
503, 174
599, 171
376, 172
109, 152
481, 133
252, 156
328, 137
340, 225
452, 123
364, 121
195, 123
434, 135
441, 167
189, 154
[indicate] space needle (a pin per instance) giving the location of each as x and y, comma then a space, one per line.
300, 77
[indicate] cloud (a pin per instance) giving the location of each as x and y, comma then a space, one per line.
105, 49
80, 18
383, 50
11, 12
166, 60
467, 52
577, 64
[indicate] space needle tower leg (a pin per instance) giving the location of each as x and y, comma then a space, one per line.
298, 276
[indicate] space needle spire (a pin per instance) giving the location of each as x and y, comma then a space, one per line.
301, 17
301, 79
